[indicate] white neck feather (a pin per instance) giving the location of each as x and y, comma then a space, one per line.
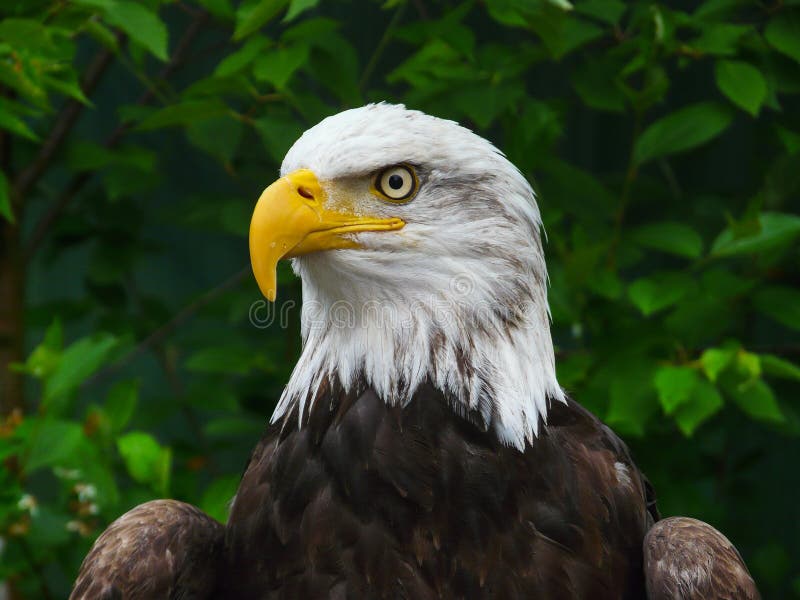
476, 326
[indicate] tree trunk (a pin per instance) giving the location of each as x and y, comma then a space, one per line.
11, 323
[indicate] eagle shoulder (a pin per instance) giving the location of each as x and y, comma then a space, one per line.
687, 559
162, 549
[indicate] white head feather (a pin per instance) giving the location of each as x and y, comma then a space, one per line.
457, 297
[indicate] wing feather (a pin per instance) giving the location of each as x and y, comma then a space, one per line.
687, 559
162, 549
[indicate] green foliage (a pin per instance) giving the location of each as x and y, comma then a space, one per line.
664, 143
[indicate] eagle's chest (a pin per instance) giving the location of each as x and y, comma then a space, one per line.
371, 501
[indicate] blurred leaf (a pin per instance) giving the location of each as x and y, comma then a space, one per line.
779, 367
218, 496
772, 229
790, 139
671, 237
715, 360
243, 57
5, 200
631, 398
184, 113
742, 83
77, 363
780, 303
720, 39
52, 443
279, 64
141, 24
748, 364
223, 359
756, 399
146, 460
296, 7
675, 386
610, 11
596, 82
219, 136
682, 130
652, 294
11, 122
705, 402
277, 134
252, 15
783, 33
121, 403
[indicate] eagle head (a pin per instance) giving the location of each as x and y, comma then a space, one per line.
419, 251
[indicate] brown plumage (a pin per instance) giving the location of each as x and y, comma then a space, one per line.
365, 500
371, 501
687, 559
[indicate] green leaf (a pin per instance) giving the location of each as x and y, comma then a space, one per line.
223, 359
780, 303
5, 200
742, 83
278, 65
77, 364
705, 401
219, 8
670, 237
217, 498
252, 15
11, 122
720, 39
185, 112
146, 460
243, 57
296, 7
596, 82
219, 136
562, 34
631, 395
141, 24
121, 403
277, 134
783, 33
716, 360
53, 443
748, 364
682, 130
674, 386
756, 399
652, 294
790, 139
779, 367
772, 229
610, 11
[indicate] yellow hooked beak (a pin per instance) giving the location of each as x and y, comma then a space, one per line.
290, 219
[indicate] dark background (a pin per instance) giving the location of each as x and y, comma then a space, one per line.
663, 141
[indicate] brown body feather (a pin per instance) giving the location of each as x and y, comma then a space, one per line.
371, 501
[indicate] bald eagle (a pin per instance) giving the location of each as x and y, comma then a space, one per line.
423, 447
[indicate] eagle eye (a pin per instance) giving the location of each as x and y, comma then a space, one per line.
398, 183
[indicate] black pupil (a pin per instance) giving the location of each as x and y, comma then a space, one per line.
395, 181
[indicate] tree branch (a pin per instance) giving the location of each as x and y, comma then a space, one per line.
157, 337
78, 181
63, 125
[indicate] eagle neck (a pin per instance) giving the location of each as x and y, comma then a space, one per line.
494, 363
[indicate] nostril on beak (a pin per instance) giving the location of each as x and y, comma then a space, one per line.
305, 192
